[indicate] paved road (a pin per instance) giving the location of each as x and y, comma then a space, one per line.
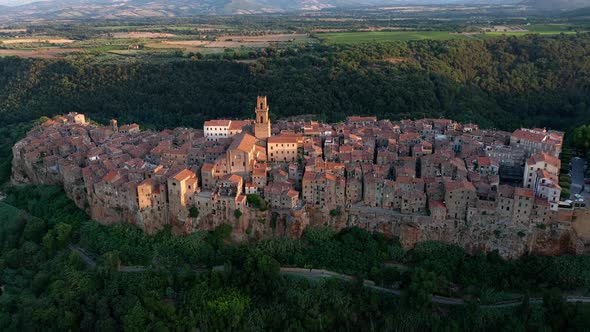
578, 178
316, 274
82, 254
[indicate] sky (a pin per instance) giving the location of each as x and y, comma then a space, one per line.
22, 2
15, 2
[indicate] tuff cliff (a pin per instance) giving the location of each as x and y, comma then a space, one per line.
150, 180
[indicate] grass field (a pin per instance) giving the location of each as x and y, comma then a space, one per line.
384, 36
541, 29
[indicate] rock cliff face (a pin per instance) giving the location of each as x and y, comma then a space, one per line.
65, 164
480, 234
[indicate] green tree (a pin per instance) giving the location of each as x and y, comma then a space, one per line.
228, 310
136, 320
193, 212
422, 285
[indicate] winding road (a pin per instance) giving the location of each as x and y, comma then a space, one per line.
318, 274
577, 172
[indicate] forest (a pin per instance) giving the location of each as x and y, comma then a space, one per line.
499, 83
502, 83
45, 284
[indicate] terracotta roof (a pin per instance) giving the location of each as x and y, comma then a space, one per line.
183, 175
484, 161
541, 173
111, 176
524, 192
544, 158
455, 185
409, 136
529, 136
361, 118
259, 172
239, 124
233, 178
207, 167
217, 123
541, 202
283, 139
436, 205
244, 142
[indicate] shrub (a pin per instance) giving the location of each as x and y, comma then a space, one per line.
337, 212
193, 212
256, 201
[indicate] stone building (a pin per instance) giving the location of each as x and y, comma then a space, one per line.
241, 155
181, 188
262, 121
539, 161
536, 140
523, 205
459, 195
283, 148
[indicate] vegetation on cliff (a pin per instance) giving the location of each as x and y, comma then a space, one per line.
46, 285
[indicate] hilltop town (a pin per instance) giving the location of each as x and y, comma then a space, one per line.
427, 179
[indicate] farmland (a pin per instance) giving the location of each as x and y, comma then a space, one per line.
238, 38
385, 36
484, 32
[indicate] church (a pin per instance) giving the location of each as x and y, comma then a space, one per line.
215, 130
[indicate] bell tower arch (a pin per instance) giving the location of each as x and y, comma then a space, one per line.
262, 126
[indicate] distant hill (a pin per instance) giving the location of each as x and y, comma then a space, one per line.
577, 13
113, 9
557, 5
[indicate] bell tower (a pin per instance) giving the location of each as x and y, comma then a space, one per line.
262, 126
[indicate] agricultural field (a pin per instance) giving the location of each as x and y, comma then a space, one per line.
41, 53
542, 29
385, 36
147, 43
222, 37
487, 32
38, 40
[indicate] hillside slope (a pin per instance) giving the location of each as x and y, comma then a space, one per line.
561, 5
112, 9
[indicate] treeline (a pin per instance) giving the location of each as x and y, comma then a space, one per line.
503, 83
46, 286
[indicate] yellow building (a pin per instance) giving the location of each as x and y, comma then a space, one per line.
282, 148
181, 188
241, 154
